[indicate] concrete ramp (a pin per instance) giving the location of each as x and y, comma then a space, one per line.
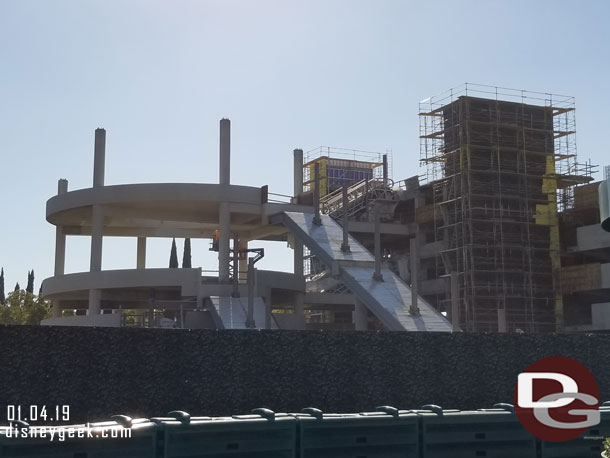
232, 312
389, 300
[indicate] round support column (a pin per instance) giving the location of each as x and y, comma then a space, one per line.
141, 253
224, 242
60, 237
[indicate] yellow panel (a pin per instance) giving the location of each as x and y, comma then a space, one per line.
323, 180
543, 215
548, 217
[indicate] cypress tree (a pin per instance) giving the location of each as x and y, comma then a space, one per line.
2, 296
186, 255
173, 257
17, 287
30, 287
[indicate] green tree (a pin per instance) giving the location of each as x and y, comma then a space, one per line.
24, 308
17, 287
30, 287
186, 255
2, 296
173, 257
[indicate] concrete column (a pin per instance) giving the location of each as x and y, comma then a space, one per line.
298, 173
345, 245
56, 309
298, 189
97, 218
360, 316
95, 301
224, 216
385, 170
243, 263
298, 257
250, 324
225, 152
141, 256
235, 277
377, 276
60, 250
99, 158
223, 242
414, 257
455, 302
316, 194
60, 237
97, 231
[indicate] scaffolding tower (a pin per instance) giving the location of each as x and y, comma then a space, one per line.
500, 164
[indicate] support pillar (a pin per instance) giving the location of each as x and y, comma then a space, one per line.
243, 263
95, 302
60, 237
97, 234
224, 252
298, 257
141, 254
414, 257
99, 158
225, 152
97, 219
316, 195
377, 276
360, 316
298, 189
385, 171
298, 174
345, 245
224, 216
56, 309
455, 302
97, 230
235, 278
250, 324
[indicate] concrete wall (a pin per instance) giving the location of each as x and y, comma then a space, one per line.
591, 237
600, 314
188, 279
110, 320
105, 371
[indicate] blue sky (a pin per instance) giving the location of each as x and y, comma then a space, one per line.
158, 75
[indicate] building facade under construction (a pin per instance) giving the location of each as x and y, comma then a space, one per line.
488, 233
501, 164
501, 233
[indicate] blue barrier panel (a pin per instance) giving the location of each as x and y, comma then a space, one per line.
490, 433
263, 435
137, 439
587, 445
389, 434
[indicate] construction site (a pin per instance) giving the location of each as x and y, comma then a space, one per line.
499, 232
501, 169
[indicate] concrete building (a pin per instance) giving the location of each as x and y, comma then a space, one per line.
585, 271
239, 296
501, 234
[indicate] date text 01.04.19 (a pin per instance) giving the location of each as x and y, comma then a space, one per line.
35, 413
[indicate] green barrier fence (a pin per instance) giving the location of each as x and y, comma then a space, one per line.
430, 432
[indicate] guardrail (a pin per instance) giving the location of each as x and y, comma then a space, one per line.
429, 432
